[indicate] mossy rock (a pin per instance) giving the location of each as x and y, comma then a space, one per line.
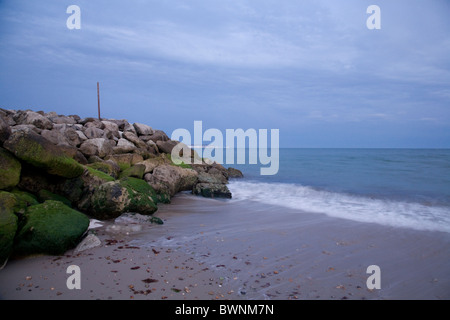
47, 195
99, 174
143, 198
106, 201
50, 228
113, 198
8, 225
104, 167
136, 171
10, 169
41, 153
212, 190
24, 199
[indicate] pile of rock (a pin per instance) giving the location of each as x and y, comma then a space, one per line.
79, 168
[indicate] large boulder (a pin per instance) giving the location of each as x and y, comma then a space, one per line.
124, 146
159, 135
136, 171
8, 225
126, 160
113, 198
50, 228
151, 163
234, 173
55, 137
109, 167
61, 119
212, 190
96, 147
166, 146
169, 179
143, 129
93, 133
10, 169
134, 139
41, 153
213, 176
112, 127
35, 119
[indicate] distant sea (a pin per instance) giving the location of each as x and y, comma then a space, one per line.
396, 187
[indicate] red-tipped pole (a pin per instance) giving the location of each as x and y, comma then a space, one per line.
98, 98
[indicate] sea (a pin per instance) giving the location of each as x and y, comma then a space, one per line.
407, 188
311, 230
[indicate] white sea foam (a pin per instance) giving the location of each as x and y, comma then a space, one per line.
358, 208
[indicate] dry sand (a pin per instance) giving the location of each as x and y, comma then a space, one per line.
210, 249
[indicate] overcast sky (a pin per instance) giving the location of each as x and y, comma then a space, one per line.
309, 68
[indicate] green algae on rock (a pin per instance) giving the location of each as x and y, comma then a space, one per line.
39, 152
10, 169
50, 228
8, 225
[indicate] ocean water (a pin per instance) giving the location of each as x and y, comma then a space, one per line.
396, 187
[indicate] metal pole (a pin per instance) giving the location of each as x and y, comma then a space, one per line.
98, 98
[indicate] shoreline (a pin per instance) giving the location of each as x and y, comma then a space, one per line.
210, 249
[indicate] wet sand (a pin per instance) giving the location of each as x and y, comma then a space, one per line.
213, 249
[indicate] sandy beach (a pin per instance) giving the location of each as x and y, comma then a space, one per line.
229, 249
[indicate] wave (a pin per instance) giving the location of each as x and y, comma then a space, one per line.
412, 215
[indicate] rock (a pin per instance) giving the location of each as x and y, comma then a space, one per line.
10, 169
143, 129
33, 180
215, 177
55, 137
75, 117
41, 153
50, 228
111, 127
136, 218
129, 128
8, 225
111, 199
166, 146
94, 159
81, 136
93, 178
234, 173
72, 189
109, 167
152, 163
24, 199
158, 136
136, 171
124, 146
72, 136
94, 132
126, 160
37, 120
80, 158
25, 127
145, 153
47, 195
62, 120
168, 179
120, 123
89, 242
212, 190
96, 147
143, 198
92, 123
5, 130
134, 139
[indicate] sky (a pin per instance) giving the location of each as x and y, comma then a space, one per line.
311, 69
